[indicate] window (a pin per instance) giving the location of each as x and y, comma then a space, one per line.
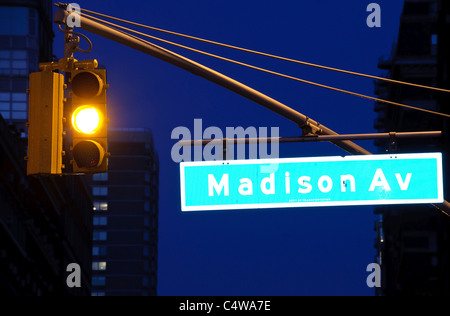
145, 251
19, 106
98, 281
99, 251
434, 39
19, 115
98, 294
147, 206
144, 281
4, 106
100, 191
434, 43
100, 206
5, 101
14, 62
146, 236
146, 221
100, 220
14, 21
100, 235
99, 266
13, 105
100, 177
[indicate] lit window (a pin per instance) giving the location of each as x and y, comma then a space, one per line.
98, 281
434, 39
20, 97
100, 235
100, 220
99, 266
434, 44
5, 97
100, 206
19, 106
19, 115
147, 206
14, 62
99, 251
100, 191
5, 61
100, 177
19, 64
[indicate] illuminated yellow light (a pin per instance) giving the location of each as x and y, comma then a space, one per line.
86, 120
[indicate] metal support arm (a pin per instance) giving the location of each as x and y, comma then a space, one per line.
211, 75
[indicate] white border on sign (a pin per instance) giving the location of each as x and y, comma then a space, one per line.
437, 156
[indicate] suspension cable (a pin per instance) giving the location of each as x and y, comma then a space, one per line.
268, 71
269, 55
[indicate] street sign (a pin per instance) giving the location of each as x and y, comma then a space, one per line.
308, 182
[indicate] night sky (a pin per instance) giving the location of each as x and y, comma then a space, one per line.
307, 251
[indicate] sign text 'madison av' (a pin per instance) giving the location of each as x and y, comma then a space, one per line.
306, 182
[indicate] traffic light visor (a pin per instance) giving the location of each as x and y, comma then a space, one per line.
86, 120
87, 85
88, 154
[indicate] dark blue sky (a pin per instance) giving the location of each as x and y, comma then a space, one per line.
310, 251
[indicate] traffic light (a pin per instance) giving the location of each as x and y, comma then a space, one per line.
89, 121
45, 124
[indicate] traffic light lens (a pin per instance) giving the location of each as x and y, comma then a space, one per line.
88, 154
87, 85
86, 120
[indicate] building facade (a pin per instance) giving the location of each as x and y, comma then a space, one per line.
126, 217
26, 38
45, 222
414, 242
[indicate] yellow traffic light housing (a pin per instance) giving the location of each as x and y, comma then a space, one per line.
45, 124
86, 112
89, 121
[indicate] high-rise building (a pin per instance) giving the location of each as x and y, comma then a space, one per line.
126, 217
45, 222
26, 38
414, 242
